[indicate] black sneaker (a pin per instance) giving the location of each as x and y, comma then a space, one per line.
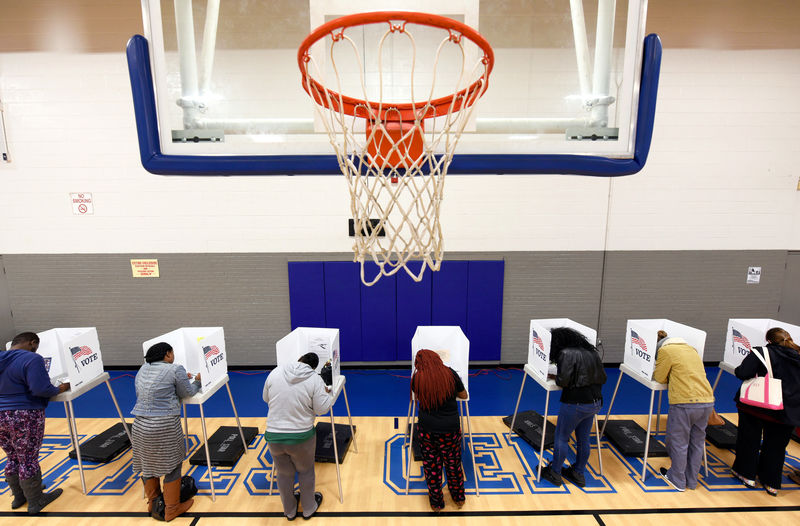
663, 472
297, 498
576, 478
318, 499
551, 476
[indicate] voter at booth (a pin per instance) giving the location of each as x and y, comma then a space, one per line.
691, 401
295, 394
580, 374
437, 386
158, 442
764, 434
25, 389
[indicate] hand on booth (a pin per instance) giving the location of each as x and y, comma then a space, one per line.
63, 387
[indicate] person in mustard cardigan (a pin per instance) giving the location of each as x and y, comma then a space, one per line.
691, 401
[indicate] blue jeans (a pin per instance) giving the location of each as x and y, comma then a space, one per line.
577, 418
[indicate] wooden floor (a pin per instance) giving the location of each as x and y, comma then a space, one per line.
373, 486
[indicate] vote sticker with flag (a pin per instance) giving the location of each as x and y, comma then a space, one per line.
78, 352
636, 340
744, 343
537, 341
210, 350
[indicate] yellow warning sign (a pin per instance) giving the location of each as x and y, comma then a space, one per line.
144, 268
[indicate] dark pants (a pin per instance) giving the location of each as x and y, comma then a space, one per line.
21, 434
442, 450
757, 457
577, 418
291, 459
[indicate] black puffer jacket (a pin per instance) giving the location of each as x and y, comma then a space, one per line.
580, 374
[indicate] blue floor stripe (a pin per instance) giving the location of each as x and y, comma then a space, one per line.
385, 392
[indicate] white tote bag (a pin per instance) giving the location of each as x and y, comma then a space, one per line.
765, 391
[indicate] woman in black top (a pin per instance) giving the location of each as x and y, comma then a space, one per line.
436, 387
764, 433
581, 376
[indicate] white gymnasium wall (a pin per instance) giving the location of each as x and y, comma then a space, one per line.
721, 174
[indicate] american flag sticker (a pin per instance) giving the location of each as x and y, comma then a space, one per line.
47, 362
636, 340
741, 339
536, 339
78, 352
210, 350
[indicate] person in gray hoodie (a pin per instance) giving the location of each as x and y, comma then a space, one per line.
295, 395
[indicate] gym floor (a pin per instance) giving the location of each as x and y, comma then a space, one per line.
373, 478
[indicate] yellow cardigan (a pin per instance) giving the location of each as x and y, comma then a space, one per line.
679, 365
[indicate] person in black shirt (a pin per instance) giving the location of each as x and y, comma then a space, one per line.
581, 376
436, 387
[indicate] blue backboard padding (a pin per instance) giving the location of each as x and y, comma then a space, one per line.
306, 294
485, 309
413, 307
379, 317
154, 161
450, 295
343, 306
377, 323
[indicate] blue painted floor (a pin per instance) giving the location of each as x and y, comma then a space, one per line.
385, 392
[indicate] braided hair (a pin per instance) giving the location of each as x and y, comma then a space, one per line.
433, 382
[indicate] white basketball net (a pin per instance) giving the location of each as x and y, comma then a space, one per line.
405, 197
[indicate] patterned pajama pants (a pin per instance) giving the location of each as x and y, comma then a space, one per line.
442, 450
21, 434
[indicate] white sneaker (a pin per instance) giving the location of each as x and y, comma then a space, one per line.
663, 472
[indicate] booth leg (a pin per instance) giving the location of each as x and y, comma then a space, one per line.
544, 431
603, 431
336, 459
350, 420
410, 453
208, 453
272, 474
185, 428
647, 436
516, 407
658, 413
599, 449
472, 449
238, 423
408, 421
705, 458
716, 381
119, 412
73, 431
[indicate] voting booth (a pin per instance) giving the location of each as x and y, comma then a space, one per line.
534, 428
202, 350
450, 343
73, 355
332, 445
742, 335
639, 361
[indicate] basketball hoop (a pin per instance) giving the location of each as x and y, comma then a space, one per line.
395, 153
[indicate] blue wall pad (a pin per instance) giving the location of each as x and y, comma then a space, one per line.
377, 323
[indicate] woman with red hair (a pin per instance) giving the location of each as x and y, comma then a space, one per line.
436, 387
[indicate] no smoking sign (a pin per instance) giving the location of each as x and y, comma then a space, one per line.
82, 204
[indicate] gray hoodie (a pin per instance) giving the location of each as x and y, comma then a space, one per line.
295, 394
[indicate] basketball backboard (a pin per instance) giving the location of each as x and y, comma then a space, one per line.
217, 88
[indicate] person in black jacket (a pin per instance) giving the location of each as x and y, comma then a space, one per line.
763, 434
581, 376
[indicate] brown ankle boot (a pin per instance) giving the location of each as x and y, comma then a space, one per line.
152, 490
173, 507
